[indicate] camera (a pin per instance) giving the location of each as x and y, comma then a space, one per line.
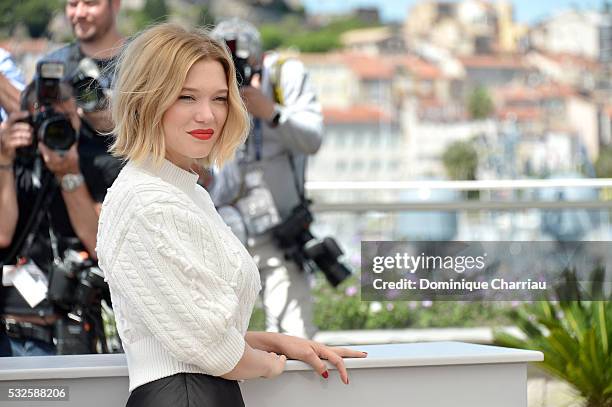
51, 127
75, 283
295, 238
76, 286
244, 70
91, 96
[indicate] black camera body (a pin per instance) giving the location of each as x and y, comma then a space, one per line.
76, 286
50, 127
244, 70
75, 283
294, 237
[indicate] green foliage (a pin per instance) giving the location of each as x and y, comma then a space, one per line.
575, 337
288, 34
603, 165
258, 320
272, 36
461, 160
480, 104
335, 309
342, 309
318, 41
34, 14
155, 11
205, 17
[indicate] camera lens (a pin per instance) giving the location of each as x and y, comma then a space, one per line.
58, 134
88, 94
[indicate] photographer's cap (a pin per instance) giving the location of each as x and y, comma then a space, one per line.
246, 35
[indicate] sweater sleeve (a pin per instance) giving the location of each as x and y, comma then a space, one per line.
178, 280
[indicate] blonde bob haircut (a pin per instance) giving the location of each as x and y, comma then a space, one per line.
150, 74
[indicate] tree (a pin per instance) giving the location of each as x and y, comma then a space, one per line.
480, 104
603, 165
271, 36
156, 10
573, 329
461, 160
206, 17
288, 33
34, 14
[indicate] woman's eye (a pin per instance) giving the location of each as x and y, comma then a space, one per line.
221, 98
186, 97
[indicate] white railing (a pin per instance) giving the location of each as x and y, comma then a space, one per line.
364, 204
459, 185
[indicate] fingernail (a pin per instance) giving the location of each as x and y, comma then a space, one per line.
325, 374
365, 353
347, 381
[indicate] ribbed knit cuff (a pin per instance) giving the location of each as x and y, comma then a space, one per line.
226, 354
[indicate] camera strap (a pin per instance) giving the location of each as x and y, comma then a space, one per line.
53, 239
257, 139
25, 240
257, 142
299, 187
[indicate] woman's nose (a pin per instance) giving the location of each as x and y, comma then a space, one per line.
204, 113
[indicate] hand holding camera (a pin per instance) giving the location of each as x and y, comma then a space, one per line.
258, 104
14, 134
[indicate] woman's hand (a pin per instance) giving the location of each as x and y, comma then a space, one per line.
314, 353
276, 365
257, 363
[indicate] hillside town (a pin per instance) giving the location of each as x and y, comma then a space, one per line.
529, 101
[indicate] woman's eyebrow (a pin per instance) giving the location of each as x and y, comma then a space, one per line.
190, 89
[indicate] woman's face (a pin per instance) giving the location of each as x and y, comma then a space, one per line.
194, 122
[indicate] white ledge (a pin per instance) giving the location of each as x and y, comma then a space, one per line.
394, 355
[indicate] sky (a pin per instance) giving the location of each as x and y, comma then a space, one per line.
525, 11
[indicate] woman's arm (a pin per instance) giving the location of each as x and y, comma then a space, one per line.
266, 341
13, 135
305, 350
257, 363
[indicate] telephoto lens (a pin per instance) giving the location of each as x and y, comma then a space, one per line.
54, 130
90, 95
325, 254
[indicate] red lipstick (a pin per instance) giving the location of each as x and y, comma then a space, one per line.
202, 134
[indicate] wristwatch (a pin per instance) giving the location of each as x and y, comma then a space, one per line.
70, 182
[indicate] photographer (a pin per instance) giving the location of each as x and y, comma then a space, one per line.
53, 177
265, 183
94, 25
79, 178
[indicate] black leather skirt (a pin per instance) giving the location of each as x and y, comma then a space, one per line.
187, 390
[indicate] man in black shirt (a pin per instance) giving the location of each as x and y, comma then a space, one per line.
79, 180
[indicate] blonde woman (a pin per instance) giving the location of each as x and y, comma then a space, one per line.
182, 285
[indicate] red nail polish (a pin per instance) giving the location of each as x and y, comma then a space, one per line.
325, 374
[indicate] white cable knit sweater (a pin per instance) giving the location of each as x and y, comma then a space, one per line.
183, 287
